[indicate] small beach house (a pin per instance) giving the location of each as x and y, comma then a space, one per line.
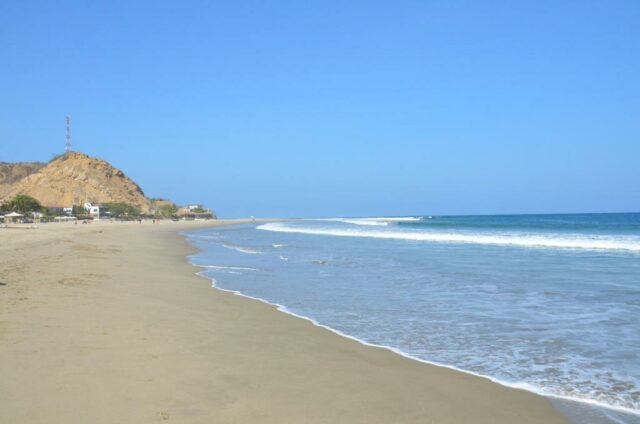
96, 211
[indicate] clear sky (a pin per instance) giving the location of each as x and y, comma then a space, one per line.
336, 108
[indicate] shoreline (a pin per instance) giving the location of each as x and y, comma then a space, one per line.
105, 305
605, 408
514, 386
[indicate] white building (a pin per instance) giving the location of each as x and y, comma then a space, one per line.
93, 210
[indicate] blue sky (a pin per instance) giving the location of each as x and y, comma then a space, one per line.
333, 108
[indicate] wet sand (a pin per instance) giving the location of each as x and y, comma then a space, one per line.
108, 323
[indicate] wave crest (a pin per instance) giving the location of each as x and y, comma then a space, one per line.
558, 241
377, 222
242, 249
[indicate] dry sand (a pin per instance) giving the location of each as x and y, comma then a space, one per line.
108, 323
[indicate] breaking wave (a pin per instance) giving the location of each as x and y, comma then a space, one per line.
377, 222
242, 249
550, 240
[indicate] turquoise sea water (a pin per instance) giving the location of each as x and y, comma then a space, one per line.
549, 303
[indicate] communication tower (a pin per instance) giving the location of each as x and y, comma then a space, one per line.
67, 144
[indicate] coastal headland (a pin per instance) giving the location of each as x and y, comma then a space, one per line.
109, 323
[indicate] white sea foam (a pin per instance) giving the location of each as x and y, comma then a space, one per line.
242, 249
277, 246
397, 219
376, 222
232, 268
204, 237
566, 241
369, 222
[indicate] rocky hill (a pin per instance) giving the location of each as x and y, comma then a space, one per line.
12, 172
71, 179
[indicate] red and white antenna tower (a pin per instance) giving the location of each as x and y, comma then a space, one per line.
67, 145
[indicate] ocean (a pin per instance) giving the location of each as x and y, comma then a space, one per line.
546, 303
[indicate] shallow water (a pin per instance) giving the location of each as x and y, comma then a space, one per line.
547, 303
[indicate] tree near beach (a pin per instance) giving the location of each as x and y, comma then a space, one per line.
23, 204
121, 209
167, 210
78, 211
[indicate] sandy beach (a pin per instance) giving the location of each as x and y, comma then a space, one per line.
108, 323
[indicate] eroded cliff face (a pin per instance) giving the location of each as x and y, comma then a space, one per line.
72, 179
10, 173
